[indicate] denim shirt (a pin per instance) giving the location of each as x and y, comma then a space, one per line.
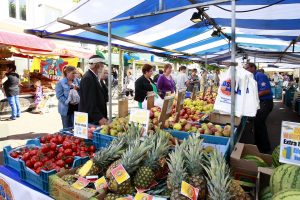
62, 91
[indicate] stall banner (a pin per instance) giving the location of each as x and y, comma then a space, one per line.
290, 143
52, 68
81, 125
13, 190
140, 117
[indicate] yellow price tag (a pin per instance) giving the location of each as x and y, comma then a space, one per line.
189, 191
80, 183
100, 183
143, 196
120, 174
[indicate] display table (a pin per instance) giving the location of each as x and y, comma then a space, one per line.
13, 188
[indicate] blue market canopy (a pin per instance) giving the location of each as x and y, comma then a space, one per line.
263, 27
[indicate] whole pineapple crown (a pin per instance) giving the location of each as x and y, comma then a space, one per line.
134, 155
193, 155
176, 165
159, 150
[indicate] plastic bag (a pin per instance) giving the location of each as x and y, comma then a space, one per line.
158, 102
251, 103
74, 97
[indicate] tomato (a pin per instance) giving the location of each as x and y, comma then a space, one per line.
29, 164
83, 154
37, 165
92, 148
68, 152
45, 159
33, 152
60, 139
69, 160
53, 146
54, 140
38, 170
77, 141
60, 163
33, 159
57, 168
51, 154
43, 139
59, 155
48, 137
74, 153
67, 145
14, 154
83, 148
45, 148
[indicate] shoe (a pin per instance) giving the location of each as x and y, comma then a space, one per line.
12, 118
18, 116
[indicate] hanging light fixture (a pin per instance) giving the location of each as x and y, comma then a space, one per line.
197, 17
216, 33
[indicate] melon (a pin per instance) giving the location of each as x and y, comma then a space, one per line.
258, 161
266, 194
287, 195
285, 177
275, 157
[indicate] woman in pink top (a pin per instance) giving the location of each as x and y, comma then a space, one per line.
165, 82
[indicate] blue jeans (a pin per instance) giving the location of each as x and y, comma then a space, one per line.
67, 121
14, 104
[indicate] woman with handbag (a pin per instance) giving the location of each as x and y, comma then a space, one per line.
129, 84
67, 94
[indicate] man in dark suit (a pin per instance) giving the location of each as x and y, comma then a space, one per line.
92, 94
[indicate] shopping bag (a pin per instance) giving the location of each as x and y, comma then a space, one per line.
74, 97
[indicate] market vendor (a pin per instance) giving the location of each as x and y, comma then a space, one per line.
165, 82
144, 84
92, 94
266, 105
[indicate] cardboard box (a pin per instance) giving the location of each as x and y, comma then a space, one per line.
262, 180
245, 170
223, 119
123, 107
60, 190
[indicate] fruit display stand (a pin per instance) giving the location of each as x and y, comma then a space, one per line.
246, 169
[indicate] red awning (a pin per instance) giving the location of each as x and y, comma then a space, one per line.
26, 42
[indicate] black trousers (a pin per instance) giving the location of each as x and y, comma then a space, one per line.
129, 91
261, 136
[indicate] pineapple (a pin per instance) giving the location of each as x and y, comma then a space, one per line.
130, 160
237, 191
177, 173
218, 177
146, 174
69, 178
193, 155
111, 196
103, 158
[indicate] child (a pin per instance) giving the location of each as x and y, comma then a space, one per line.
38, 97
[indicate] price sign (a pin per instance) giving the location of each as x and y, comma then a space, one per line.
170, 104
100, 183
120, 174
290, 143
141, 117
81, 125
80, 183
189, 191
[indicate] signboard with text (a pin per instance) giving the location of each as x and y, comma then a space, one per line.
290, 143
140, 117
81, 125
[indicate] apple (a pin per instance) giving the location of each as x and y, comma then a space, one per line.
151, 114
187, 127
167, 124
155, 121
177, 126
183, 122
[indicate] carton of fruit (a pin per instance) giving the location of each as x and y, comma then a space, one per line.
245, 160
60, 189
12, 156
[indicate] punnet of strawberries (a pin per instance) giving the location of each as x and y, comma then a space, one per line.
57, 151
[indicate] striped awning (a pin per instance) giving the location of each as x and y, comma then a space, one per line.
262, 26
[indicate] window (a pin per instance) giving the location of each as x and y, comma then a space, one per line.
22, 9
12, 8
17, 9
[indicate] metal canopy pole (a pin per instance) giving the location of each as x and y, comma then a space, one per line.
109, 72
232, 71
